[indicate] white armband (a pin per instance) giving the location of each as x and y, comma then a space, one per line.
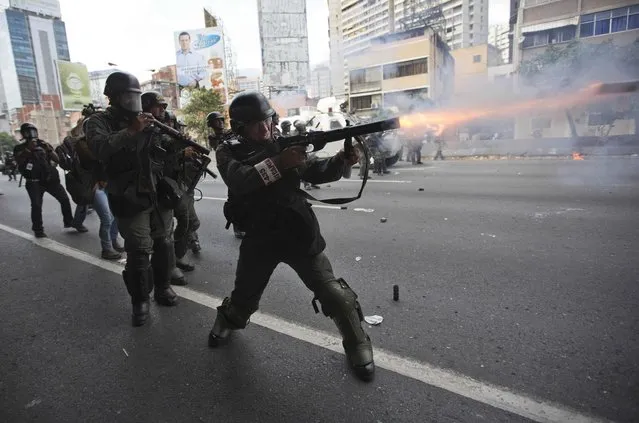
268, 171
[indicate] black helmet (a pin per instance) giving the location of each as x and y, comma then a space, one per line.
286, 124
213, 116
28, 131
249, 106
153, 98
125, 89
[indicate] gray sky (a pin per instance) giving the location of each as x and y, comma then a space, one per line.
138, 34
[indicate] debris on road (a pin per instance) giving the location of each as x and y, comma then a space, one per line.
364, 210
33, 403
383, 219
343, 207
373, 320
420, 189
490, 235
358, 258
125, 353
395, 292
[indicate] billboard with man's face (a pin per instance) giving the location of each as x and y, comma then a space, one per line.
199, 59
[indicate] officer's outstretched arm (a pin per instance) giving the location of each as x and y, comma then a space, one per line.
242, 178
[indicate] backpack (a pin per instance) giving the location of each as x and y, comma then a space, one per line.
66, 154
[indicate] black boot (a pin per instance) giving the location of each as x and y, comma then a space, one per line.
339, 302
162, 262
180, 251
137, 284
228, 319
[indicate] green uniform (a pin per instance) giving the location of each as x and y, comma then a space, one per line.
281, 227
134, 164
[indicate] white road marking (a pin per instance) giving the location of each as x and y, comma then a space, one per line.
317, 206
375, 181
495, 396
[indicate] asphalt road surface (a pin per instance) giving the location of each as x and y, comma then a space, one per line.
518, 301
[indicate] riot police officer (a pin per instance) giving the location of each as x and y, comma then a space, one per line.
286, 128
180, 168
215, 121
133, 154
281, 227
34, 158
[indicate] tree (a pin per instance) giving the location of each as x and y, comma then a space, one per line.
578, 64
7, 142
201, 103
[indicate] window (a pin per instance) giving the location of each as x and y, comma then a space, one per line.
610, 21
541, 123
477, 58
359, 103
408, 68
551, 36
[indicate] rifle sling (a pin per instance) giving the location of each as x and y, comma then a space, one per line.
346, 200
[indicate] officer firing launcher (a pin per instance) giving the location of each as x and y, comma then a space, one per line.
319, 139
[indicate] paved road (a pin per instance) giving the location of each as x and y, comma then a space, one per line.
517, 274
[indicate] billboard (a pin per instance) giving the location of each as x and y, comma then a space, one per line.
75, 85
199, 59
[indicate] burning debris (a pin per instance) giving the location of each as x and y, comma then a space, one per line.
577, 156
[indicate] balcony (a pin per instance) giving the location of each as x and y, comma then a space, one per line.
363, 87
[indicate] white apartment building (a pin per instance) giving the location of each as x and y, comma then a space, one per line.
320, 86
336, 46
247, 83
498, 37
463, 23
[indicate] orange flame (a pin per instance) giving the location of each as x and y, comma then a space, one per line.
444, 118
577, 156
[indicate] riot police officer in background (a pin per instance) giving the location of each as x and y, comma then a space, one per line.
281, 227
215, 121
133, 155
179, 167
34, 158
286, 128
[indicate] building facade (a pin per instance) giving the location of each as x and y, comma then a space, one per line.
336, 45
320, 85
284, 42
499, 36
33, 37
459, 23
248, 83
542, 23
399, 70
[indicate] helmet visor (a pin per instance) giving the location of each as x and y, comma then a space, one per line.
131, 101
30, 133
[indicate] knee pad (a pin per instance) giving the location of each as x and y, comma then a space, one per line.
137, 261
236, 317
337, 299
162, 245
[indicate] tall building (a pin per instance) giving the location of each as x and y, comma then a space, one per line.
499, 36
459, 23
32, 37
284, 41
541, 23
248, 83
335, 41
320, 85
